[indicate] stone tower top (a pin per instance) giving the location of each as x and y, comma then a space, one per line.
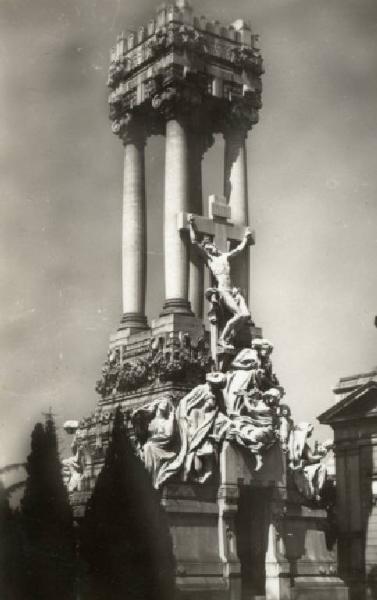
181, 60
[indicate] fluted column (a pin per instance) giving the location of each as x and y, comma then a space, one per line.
236, 193
134, 234
196, 267
176, 200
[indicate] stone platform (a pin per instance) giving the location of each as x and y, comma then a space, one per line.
249, 537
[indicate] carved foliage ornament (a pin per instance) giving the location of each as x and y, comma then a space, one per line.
174, 36
243, 115
247, 58
176, 100
172, 360
130, 126
180, 37
165, 96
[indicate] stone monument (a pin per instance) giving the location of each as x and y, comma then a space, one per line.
353, 418
242, 488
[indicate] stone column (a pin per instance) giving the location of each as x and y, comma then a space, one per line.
235, 191
134, 234
176, 200
196, 267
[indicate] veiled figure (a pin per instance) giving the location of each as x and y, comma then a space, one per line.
159, 447
73, 468
241, 377
199, 417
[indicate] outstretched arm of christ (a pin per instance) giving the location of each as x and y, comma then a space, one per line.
194, 239
247, 240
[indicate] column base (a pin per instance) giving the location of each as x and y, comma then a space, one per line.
132, 320
176, 306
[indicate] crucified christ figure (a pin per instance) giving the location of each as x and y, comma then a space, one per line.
218, 264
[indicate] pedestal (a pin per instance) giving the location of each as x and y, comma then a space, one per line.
206, 561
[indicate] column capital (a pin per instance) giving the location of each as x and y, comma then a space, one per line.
178, 92
176, 102
234, 132
130, 128
240, 117
200, 140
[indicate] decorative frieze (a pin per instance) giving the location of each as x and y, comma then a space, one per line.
168, 359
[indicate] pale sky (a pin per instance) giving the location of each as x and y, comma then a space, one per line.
312, 188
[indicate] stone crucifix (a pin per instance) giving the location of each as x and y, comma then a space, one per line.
218, 230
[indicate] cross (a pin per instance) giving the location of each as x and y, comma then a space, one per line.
218, 225
222, 231
49, 416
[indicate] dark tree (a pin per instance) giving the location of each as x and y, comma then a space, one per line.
125, 537
9, 549
47, 522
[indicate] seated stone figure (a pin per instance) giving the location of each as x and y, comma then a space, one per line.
73, 468
309, 472
266, 378
286, 426
159, 447
255, 428
262, 406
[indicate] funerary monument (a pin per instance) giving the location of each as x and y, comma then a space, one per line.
353, 418
248, 500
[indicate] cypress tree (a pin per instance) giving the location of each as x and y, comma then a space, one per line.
125, 538
47, 522
9, 549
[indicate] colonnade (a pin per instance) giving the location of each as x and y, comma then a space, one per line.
182, 193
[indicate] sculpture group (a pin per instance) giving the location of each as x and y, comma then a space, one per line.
239, 403
184, 441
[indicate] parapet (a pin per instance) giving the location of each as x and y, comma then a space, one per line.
179, 58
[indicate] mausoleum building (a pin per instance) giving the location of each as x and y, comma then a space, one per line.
353, 419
